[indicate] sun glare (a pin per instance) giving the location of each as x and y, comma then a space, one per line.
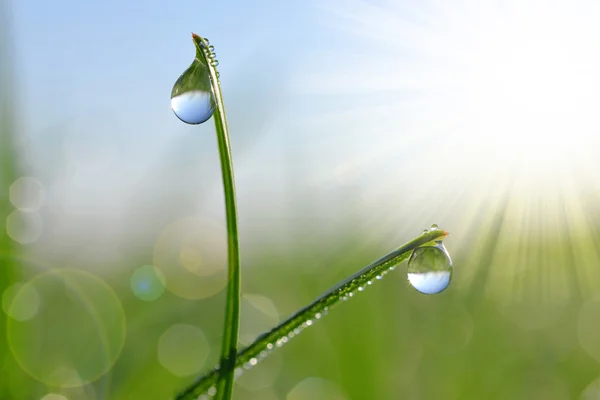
491, 126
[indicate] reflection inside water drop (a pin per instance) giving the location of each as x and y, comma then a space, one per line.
193, 107
192, 97
430, 268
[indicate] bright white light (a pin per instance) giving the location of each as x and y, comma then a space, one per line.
507, 84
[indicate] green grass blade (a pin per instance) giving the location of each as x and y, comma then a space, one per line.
232, 309
306, 316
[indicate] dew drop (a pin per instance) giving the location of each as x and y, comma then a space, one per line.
318, 316
309, 322
379, 277
434, 227
430, 268
360, 288
269, 346
212, 391
192, 98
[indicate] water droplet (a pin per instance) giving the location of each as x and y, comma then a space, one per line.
430, 268
192, 98
379, 277
318, 316
212, 391
434, 227
369, 282
309, 322
253, 361
269, 346
360, 288
425, 231
392, 268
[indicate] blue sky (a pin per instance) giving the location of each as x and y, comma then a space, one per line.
398, 109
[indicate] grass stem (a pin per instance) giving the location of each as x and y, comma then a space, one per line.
224, 385
306, 316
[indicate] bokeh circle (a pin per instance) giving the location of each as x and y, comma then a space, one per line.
77, 333
192, 255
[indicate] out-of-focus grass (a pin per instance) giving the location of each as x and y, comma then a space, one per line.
387, 342
8, 172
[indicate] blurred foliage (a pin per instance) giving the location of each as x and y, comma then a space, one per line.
8, 173
387, 342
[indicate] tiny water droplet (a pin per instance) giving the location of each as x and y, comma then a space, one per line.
253, 361
192, 98
369, 282
350, 294
360, 288
238, 372
430, 268
392, 268
425, 231
379, 277
297, 331
434, 227
309, 322
318, 316
212, 391
291, 334
269, 346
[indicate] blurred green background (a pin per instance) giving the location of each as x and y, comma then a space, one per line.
355, 125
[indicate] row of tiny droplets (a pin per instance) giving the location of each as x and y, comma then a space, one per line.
212, 391
212, 55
